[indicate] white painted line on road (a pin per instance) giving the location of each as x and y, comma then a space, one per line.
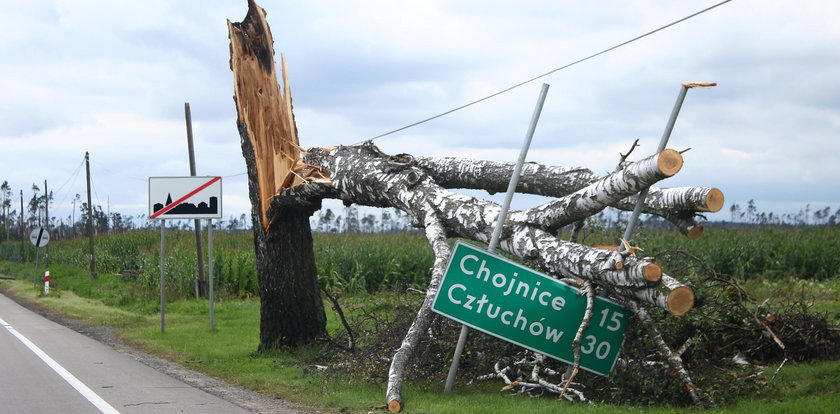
83, 389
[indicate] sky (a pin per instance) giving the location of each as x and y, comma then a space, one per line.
111, 78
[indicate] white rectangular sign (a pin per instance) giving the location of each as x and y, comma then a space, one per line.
185, 197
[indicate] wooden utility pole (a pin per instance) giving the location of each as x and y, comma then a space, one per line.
47, 221
202, 283
22, 236
90, 219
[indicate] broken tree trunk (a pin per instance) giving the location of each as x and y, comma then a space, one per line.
291, 310
287, 184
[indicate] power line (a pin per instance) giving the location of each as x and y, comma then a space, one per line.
73, 176
116, 174
549, 72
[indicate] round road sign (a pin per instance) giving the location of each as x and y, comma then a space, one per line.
39, 237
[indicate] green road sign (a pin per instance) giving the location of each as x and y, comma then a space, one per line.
507, 300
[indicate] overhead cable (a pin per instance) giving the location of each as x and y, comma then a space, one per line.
609, 49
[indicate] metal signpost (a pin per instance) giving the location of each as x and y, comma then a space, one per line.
500, 222
210, 270
502, 298
663, 142
184, 198
39, 238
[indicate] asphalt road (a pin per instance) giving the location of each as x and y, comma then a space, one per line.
48, 368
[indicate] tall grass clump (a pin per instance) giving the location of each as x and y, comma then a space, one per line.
370, 262
756, 252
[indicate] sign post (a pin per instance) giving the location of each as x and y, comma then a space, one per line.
210, 270
500, 222
39, 238
184, 198
505, 299
162, 277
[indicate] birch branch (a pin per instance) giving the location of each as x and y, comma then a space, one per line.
364, 175
602, 193
589, 291
436, 235
670, 295
452, 172
673, 359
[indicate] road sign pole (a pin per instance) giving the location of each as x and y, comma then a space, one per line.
162, 272
500, 222
210, 269
39, 237
35, 276
663, 142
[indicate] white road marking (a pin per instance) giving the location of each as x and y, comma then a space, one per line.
83, 389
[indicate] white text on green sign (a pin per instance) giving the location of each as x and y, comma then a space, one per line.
505, 299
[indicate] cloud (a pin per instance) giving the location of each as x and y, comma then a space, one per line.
112, 79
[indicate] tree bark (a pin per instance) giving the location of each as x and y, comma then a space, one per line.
436, 235
601, 193
677, 205
365, 175
291, 310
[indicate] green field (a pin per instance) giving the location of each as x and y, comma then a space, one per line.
372, 273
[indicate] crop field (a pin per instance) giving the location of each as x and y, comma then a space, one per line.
370, 262
372, 272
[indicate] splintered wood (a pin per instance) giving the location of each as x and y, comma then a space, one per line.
265, 110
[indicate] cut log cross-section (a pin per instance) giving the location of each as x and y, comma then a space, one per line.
287, 184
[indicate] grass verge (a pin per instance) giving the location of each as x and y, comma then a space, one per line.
228, 352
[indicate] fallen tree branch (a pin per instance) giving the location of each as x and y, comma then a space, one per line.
673, 359
764, 325
436, 235
589, 291
601, 193
351, 342
623, 157
528, 379
779, 369
453, 172
363, 175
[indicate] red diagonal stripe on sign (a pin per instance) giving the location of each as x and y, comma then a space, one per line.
182, 199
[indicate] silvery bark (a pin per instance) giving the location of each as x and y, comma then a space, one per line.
436, 235
677, 205
364, 175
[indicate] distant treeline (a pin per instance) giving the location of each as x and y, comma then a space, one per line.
17, 222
